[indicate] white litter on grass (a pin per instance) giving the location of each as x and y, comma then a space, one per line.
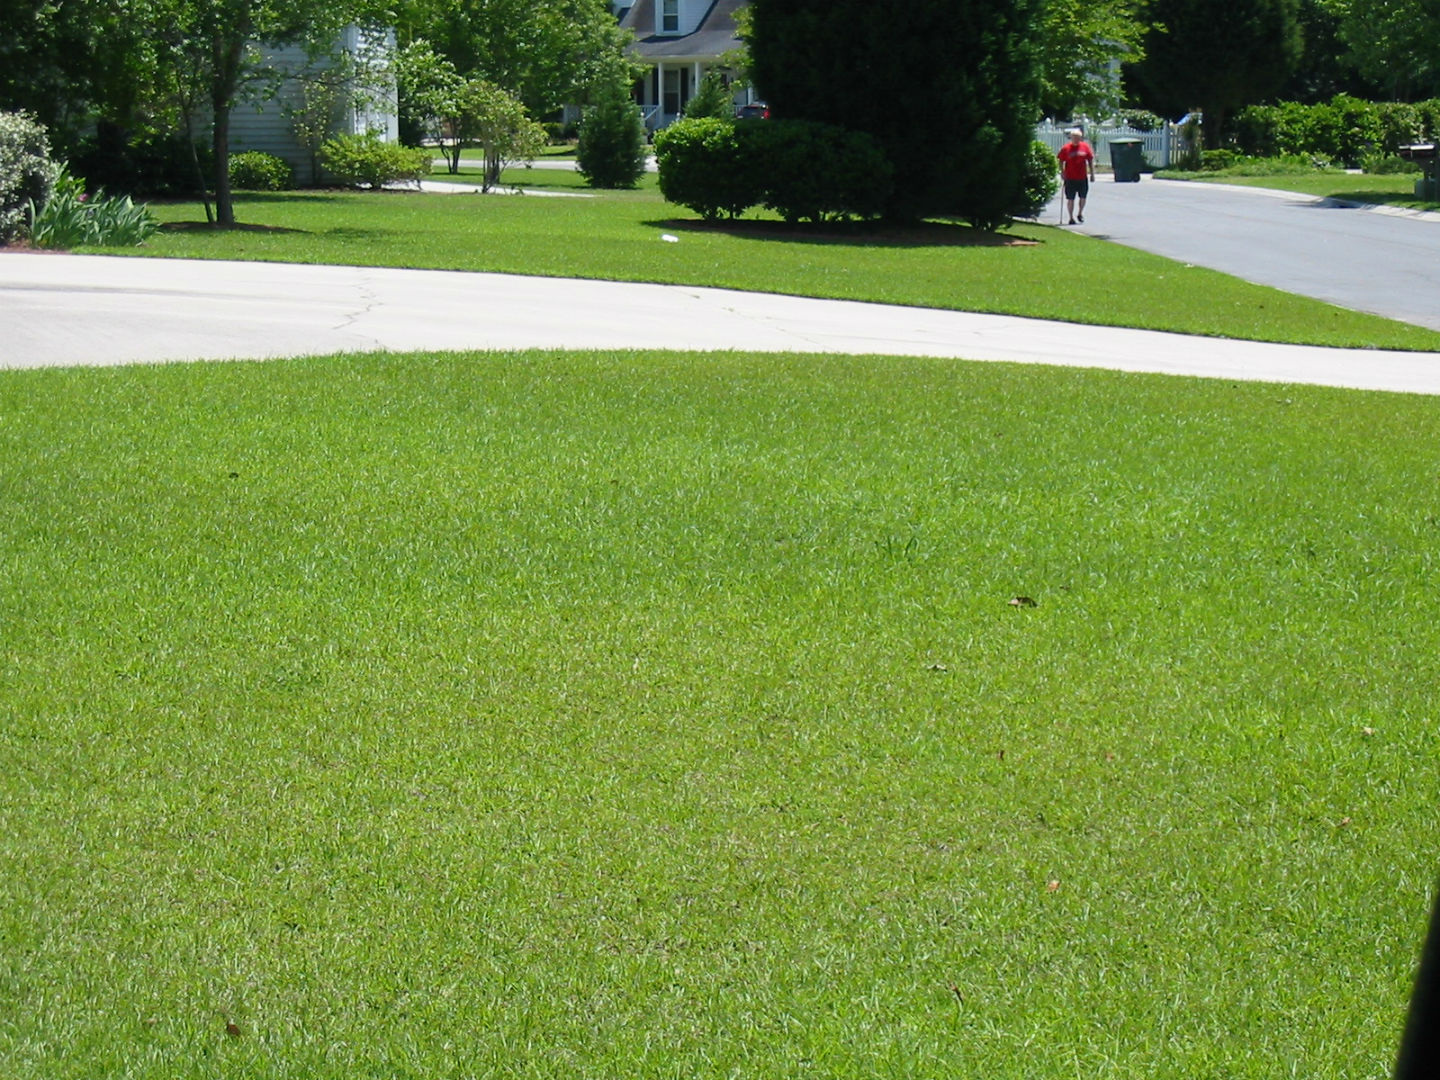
669, 239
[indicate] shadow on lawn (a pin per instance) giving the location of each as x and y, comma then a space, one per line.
239, 226
862, 233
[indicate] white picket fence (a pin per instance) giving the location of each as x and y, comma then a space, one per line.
1161, 148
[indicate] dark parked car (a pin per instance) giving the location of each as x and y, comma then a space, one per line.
756, 110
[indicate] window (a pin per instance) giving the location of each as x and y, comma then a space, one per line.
670, 16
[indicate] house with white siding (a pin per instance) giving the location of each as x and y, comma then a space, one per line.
679, 41
361, 99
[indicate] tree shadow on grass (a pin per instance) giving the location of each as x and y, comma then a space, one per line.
307, 195
239, 226
855, 233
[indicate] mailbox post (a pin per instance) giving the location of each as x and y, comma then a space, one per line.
1428, 186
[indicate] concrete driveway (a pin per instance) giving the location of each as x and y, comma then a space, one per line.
89, 309
1383, 261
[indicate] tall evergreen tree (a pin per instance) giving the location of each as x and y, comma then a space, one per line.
950, 90
1197, 56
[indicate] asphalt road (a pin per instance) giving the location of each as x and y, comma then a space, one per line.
1379, 261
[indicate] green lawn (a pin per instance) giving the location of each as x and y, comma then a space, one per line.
1033, 270
1392, 190
614, 715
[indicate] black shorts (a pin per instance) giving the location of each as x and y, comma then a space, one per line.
1079, 187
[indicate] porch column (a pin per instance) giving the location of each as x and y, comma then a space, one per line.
660, 90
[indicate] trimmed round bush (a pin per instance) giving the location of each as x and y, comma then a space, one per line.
255, 170
810, 171
702, 168
27, 175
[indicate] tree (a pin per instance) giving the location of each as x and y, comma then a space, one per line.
547, 53
494, 119
1326, 66
958, 135
1196, 57
1394, 42
1082, 43
68, 62
712, 98
737, 59
462, 112
161, 64
208, 50
611, 153
324, 91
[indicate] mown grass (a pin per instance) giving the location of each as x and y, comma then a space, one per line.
1391, 190
604, 715
1034, 270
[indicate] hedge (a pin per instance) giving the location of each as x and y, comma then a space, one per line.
1344, 129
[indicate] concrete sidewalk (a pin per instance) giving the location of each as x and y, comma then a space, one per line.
90, 309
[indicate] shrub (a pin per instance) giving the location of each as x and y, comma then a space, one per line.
68, 218
712, 98
1400, 123
27, 175
1349, 127
1381, 164
1256, 128
611, 152
809, 171
1140, 119
1429, 112
256, 170
1217, 160
702, 168
143, 163
1236, 164
1041, 180
369, 161
1344, 128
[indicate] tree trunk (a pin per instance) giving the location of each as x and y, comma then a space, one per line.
220, 149
1212, 127
228, 55
491, 175
195, 164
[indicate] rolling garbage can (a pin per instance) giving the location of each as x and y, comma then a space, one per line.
1127, 159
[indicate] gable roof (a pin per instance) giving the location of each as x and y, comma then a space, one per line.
715, 35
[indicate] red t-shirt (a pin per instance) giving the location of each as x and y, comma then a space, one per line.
1075, 160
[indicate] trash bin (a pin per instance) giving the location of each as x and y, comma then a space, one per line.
1127, 159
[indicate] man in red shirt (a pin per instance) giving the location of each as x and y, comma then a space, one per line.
1077, 167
